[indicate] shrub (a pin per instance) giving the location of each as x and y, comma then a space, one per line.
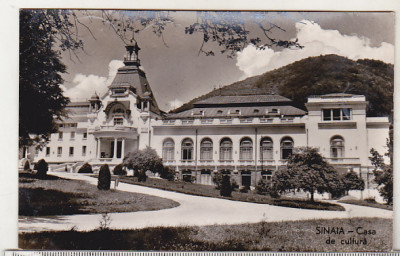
104, 179
41, 167
244, 189
266, 187
234, 185
142, 176
370, 200
27, 166
167, 173
217, 180
86, 168
119, 170
226, 187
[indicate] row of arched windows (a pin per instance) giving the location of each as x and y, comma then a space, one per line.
225, 149
246, 148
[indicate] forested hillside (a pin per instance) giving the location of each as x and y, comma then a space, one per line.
317, 76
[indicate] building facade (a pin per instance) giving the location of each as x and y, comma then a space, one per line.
248, 137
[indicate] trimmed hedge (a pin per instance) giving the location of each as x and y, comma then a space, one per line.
41, 167
86, 168
104, 179
119, 170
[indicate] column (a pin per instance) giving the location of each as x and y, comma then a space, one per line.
123, 148
115, 148
98, 148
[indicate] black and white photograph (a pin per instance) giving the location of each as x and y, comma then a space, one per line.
168, 130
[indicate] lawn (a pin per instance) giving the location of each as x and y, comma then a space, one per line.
211, 191
57, 196
278, 236
367, 203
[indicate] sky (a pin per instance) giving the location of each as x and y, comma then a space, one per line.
177, 72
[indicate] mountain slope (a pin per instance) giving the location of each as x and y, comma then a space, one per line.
317, 76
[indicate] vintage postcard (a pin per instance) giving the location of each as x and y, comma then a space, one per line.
206, 130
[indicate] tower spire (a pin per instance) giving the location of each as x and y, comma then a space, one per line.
132, 53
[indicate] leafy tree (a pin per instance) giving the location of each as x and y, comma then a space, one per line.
41, 99
309, 171
143, 160
266, 187
119, 170
383, 173
226, 186
104, 178
352, 181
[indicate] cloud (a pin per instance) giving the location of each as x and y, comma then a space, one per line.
173, 104
86, 85
316, 41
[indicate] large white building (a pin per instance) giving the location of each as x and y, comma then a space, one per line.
247, 136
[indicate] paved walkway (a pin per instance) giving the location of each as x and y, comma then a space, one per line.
193, 210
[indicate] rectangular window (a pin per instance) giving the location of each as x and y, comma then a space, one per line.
83, 150
47, 151
60, 135
118, 121
336, 114
72, 136
85, 135
59, 151
71, 151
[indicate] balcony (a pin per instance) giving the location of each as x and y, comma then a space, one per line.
207, 162
282, 161
267, 162
345, 160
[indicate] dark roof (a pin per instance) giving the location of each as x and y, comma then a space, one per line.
136, 79
243, 99
244, 112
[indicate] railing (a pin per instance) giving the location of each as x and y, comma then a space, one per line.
344, 160
246, 120
115, 128
204, 161
267, 161
266, 120
168, 122
246, 161
283, 161
225, 161
187, 122
225, 121
207, 121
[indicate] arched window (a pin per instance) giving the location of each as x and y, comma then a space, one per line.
266, 148
337, 147
225, 150
206, 149
246, 149
286, 147
187, 149
168, 149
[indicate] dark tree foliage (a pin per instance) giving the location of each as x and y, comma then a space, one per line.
27, 166
41, 167
229, 30
119, 170
167, 173
85, 168
104, 178
226, 186
143, 160
383, 172
266, 187
309, 171
40, 96
352, 181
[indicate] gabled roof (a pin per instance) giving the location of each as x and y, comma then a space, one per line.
256, 111
134, 78
243, 99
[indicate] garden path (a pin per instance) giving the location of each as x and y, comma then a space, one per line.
193, 210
